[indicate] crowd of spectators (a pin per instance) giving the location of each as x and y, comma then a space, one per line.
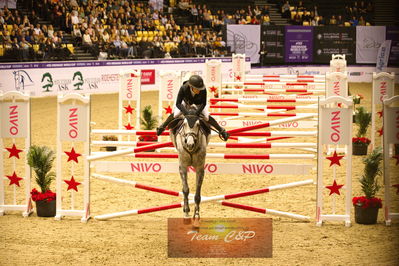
133, 29
306, 13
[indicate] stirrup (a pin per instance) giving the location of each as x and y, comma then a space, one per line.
224, 135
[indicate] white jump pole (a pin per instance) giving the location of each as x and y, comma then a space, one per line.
390, 137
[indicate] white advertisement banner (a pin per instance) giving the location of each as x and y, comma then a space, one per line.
130, 86
14, 119
383, 85
392, 129
383, 55
244, 39
355, 73
210, 168
335, 125
53, 78
73, 124
337, 84
368, 41
213, 77
170, 85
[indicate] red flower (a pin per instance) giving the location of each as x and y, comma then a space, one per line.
38, 196
367, 202
361, 140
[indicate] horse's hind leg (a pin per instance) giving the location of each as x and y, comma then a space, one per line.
186, 190
197, 197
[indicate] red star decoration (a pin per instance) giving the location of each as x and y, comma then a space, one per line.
339, 105
397, 159
397, 187
213, 89
238, 77
132, 75
335, 159
14, 179
128, 109
72, 184
380, 132
13, 151
168, 109
128, 126
380, 113
72, 155
334, 188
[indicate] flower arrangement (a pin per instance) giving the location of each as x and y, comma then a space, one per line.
363, 119
361, 140
356, 99
38, 196
370, 187
149, 122
41, 159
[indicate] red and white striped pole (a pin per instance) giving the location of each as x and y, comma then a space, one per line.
204, 199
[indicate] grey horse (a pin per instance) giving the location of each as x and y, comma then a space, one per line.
191, 140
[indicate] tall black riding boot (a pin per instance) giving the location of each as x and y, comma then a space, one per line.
162, 127
222, 131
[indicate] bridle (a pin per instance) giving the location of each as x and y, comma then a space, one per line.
195, 139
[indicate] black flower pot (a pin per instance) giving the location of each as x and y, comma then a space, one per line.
359, 149
110, 148
396, 149
46, 208
366, 215
354, 118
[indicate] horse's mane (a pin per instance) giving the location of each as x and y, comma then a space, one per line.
176, 124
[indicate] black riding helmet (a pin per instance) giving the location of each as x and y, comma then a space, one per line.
196, 82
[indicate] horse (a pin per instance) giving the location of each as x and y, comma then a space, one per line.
190, 135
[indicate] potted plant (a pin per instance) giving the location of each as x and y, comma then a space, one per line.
366, 207
149, 122
356, 100
110, 138
40, 159
360, 142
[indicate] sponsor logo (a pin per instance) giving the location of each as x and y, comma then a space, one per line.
47, 82
77, 80
22, 79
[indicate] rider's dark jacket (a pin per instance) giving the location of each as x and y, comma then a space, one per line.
185, 95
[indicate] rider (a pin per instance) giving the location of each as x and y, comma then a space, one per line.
193, 92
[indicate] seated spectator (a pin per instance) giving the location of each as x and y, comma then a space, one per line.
286, 10
354, 22
333, 20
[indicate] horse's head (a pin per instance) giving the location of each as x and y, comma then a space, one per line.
190, 132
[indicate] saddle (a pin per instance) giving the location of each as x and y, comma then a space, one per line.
176, 124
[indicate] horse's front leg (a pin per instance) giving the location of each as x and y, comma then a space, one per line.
197, 198
186, 190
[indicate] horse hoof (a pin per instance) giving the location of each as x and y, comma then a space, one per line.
196, 222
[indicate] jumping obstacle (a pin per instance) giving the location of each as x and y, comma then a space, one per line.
73, 120
391, 137
166, 144
219, 198
170, 82
213, 167
334, 129
239, 71
383, 85
15, 124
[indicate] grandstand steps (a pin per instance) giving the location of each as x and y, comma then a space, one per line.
229, 6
